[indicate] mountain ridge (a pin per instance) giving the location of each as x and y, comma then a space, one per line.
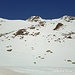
63, 17
37, 42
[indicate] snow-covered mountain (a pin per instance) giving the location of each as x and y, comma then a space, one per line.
38, 42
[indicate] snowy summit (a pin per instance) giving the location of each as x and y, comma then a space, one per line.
37, 45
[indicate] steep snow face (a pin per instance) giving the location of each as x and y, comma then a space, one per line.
37, 42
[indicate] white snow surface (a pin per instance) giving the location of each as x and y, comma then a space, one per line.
36, 48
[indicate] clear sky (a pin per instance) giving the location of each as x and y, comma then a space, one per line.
22, 9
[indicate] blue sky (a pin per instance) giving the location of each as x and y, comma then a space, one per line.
47, 9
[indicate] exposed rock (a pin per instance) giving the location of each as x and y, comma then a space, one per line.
69, 60
34, 62
32, 27
58, 26
42, 58
68, 35
1, 35
49, 51
37, 33
68, 18
8, 46
32, 48
26, 33
58, 40
73, 62
20, 32
9, 50
34, 18
42, 23
39, 56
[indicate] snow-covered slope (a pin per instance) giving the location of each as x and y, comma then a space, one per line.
38, 42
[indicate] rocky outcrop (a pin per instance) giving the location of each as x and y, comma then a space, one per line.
68, 18
34, 19
20, 32
58, 26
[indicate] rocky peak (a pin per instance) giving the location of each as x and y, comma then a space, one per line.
68, 18
34, 18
